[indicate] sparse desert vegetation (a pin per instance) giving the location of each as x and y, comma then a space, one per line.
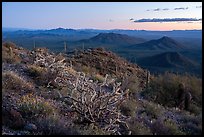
51, 95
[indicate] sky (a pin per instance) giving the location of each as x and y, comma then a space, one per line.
103, 15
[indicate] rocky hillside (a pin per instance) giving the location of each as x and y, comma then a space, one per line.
90, 92
106, 62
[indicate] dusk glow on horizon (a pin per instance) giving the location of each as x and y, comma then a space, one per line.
103, 15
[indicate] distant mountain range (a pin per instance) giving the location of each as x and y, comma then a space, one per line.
113, 39
136, 33
134, 45
164, 43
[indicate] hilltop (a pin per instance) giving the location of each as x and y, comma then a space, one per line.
114, 38
107, 62
164, 43
107, 40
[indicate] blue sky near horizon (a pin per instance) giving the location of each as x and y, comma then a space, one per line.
100, 15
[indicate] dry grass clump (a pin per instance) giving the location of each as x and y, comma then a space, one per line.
40, 74
36, 71
12, 81
34, 106
98, 77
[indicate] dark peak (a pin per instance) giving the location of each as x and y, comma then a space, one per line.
112, 35
59, 28
62, 29
165, 38
107, 34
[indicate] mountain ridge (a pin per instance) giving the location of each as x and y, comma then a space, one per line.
164, 43
168, 59
113, 38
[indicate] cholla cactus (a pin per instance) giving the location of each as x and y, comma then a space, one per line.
55, 66
95, 102
96, 105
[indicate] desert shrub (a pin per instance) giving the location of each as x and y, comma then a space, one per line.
173, 128
195, 109
163, 89
191, 124
55, 125
137, 127
12, 81
41, 75
96, 103
36, 71
50, 93
34, 106
85, 69
192, 129
97, 77
131, 83
166, 127
128, 108
91, 130
152, 110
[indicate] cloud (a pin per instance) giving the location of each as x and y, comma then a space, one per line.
131, 19
157, 9
167, 20
198, 6
165, 9
181, 8
110, 20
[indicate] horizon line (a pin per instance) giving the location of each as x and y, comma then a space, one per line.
93, 29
